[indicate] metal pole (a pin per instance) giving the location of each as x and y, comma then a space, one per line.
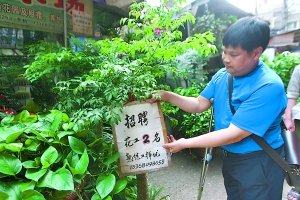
206, 160
65, 23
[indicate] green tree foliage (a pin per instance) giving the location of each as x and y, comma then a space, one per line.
43, 157
95, 82
214, 24
92, 82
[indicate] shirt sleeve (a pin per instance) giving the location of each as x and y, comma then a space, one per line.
293, 90
209, 90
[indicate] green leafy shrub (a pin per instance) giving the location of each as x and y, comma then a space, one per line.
42, 157
188, 124
93, 84
114, 71
284, 64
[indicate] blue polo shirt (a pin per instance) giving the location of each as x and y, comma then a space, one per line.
259, 99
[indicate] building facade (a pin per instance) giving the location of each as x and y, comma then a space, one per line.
283, 15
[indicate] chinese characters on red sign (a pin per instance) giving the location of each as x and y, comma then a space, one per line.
139, 138
71, 4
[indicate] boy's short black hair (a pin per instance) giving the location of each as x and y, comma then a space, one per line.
248, 33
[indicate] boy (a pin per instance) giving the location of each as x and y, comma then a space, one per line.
258, 99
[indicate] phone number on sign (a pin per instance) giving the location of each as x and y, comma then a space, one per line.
148, 164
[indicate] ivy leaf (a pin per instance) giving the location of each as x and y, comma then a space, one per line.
82, 164
14, 147
32, 195
3, 195
10, 165
57, 120
35, 174
76, 145
60, 180
30, 164
25, 116
120, 185
49, 157
9, 191
112, 159
10, 134
32, 145
106, 185
94, 197
61, 134
13, 190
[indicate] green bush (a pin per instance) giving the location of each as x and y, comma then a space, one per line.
188, 124
43, 157
284, 64
93, 84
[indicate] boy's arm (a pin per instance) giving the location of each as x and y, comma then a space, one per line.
188, 104
229, 135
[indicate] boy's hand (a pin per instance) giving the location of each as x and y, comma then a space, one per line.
174, 145
155, 96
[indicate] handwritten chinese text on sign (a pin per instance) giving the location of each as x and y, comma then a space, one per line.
139, 137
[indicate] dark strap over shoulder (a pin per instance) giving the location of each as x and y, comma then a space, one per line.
230, 89
260, 141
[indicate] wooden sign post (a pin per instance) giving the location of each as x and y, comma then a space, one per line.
139, 137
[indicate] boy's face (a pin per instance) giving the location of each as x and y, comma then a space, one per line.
239, 62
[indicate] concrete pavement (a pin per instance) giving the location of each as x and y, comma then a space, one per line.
181, 179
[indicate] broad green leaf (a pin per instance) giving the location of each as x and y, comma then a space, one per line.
68, 126
32, 145
49, 157
62, 134
7, 120
112, 159
12, 190
82, 164
2, 146
106, 185
10, 165
25, 116
13, 137
96, 197
4, 195
76, 145
32, 195
10, 134
27, 186
73, 158
120, 185
65, 118
14, 147
60, 180
35, 174
30, 164
57, 121
47, 134
38, 126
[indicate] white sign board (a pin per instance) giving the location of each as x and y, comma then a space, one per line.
139, 137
